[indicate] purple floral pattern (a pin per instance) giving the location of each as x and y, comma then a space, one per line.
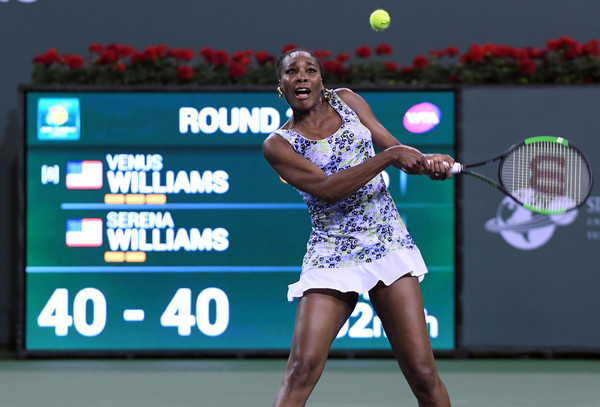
366, 225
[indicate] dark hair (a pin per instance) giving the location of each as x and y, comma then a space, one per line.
281, 58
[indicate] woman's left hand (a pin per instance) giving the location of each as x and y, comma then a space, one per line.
440, 166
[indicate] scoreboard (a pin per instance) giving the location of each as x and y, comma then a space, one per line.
152, 222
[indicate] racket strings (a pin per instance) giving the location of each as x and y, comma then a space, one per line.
548, 176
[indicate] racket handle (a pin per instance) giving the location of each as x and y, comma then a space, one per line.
456, 167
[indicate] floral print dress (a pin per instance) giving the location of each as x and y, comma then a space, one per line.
360, 240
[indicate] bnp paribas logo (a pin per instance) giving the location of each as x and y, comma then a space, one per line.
58, 119
523, 229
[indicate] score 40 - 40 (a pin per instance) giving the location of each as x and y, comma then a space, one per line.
210, 314
89, 312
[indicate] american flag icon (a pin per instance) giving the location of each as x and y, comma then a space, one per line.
84, 174
86, 232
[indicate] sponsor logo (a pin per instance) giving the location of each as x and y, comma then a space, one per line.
58, 119
422, 118
523, 229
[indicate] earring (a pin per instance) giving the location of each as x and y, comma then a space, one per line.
327, 94
280, 92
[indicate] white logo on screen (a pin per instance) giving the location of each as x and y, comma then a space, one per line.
524, 229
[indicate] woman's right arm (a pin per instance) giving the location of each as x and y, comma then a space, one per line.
306, 176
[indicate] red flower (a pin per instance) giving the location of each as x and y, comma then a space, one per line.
342, 57
452, 51
288, 47
136, 57
383, 49
568, 41
363, 52
73, 61
185, 73
437, 53
241, 57
574, 50
221, 58
151, 53
512, 52
51, 56
120, 50
208, 54
124, 50
494, 51
476, 53
161, 50
333, 67
96, 48
553, 45
181, 54
420, 62
390, 66
533, 52
526, 65
120, 66
48, 57
452, 78
108, 57
236, 70
262, 58
238, 56
322, 54
406, 70
591, 48
571, 47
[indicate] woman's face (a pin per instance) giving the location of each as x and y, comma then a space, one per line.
301, 81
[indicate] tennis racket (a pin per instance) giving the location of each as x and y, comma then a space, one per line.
544, 174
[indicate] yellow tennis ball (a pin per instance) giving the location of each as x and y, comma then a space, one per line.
380, 20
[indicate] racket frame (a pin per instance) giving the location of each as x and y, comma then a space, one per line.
459, 168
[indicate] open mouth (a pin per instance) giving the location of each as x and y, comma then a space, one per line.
302, 93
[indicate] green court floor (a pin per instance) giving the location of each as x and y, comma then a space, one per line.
253, 382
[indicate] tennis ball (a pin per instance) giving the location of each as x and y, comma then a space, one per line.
380, 20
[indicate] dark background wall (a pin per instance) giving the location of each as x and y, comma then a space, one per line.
526, 284
29, 27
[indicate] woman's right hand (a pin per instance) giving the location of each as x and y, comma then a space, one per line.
408, 159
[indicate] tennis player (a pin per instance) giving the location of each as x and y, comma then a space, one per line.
358, 241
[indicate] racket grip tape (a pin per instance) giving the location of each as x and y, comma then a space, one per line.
456, 167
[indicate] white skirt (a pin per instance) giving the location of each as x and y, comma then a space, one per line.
363, 277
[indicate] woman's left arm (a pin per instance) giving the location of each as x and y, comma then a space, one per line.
438, 164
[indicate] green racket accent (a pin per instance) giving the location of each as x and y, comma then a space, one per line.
547, 139
542, 211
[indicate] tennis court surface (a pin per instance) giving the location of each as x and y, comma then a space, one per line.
253, 382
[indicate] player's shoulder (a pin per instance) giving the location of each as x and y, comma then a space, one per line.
274, 142
277, 135
272, 138
345, 93
352, 99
